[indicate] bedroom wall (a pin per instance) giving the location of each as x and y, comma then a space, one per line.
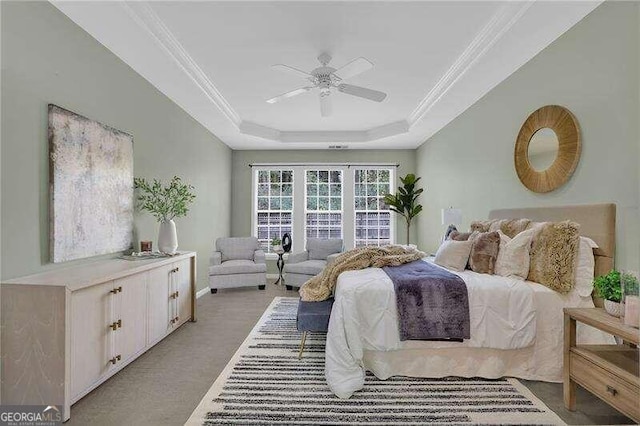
241, 180
593, 70
46, 58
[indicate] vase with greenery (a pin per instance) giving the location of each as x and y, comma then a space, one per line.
165, 203
404, 202
276, 244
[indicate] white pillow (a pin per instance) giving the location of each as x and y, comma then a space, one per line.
586, 266
513, 255
453, 255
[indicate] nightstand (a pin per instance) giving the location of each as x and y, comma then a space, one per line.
608, 371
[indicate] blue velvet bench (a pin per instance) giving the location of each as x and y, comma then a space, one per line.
313, 317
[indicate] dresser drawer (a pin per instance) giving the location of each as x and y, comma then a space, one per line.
619, 393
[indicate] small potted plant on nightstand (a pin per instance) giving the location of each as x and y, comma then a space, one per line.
608, 287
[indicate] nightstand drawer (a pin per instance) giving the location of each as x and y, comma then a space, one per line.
618, 392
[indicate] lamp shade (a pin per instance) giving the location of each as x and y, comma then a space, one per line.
451, 216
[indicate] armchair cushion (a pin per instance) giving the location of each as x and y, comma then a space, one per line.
216, 258
319, 248
332, 258
297, 257
237, 248
308, 267
258, 256
239, 266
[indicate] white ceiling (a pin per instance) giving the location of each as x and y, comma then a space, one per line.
433, 59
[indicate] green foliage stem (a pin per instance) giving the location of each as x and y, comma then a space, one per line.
164, 202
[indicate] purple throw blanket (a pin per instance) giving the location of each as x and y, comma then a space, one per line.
433, 303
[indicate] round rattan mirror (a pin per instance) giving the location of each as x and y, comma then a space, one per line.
551, 122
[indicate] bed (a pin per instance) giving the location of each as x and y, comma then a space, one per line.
363, 331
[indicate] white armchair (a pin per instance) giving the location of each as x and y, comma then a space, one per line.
301, 266
237, 262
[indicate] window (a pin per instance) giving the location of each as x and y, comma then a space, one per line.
323, 203
372, 215
274, 205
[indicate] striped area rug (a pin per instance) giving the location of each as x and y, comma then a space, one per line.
265, 383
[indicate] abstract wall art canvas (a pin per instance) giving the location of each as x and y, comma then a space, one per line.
91, 187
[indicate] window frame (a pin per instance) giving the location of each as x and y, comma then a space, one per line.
392, 216
298, 218
254, 203
328, 169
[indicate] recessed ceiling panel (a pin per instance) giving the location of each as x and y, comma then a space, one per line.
410, 43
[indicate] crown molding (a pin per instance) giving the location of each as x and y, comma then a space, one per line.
506, 16
142, 13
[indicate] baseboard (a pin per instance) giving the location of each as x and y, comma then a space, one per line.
202, 292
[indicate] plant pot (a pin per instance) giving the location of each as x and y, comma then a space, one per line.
612, 308
167, 237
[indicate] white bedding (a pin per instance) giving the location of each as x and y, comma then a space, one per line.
516, 330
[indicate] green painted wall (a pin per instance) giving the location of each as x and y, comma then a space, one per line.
241, 180
593, 70
46, 58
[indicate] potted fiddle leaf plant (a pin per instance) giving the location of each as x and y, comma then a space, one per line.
405, 201
165, 203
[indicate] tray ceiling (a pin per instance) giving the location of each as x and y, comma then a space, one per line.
434, 59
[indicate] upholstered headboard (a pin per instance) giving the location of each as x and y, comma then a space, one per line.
597, 221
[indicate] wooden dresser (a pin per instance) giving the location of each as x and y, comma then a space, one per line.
608, 371
66, 331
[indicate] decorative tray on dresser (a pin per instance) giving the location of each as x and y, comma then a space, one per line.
608, 371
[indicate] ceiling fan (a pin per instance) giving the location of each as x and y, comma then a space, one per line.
325, 77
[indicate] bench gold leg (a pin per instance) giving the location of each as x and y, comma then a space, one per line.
304, 337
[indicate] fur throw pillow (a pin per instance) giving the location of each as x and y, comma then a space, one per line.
509, 227
554, 256
459, 236
481, 225
484, 252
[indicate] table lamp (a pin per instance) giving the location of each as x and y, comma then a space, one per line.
451, 217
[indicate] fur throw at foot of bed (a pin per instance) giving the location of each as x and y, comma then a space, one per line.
321, 286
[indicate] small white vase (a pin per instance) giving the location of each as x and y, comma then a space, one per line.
167, 237
612, 308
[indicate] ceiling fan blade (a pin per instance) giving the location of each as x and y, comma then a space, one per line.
325, 104
289, 94
362, 92
353, 68
291, 70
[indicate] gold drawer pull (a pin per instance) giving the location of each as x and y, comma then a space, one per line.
177, 294
174, 270
613, 391
115, 359
116, 290
115, 325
